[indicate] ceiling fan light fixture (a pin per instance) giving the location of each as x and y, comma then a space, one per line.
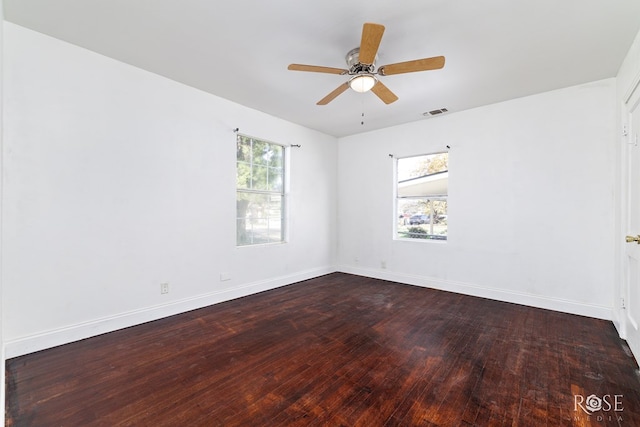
362, 82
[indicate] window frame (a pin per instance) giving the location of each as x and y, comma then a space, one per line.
282, 193
430, 237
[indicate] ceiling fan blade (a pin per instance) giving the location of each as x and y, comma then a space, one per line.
371, 37
424, 64
384, 93
316, 69
337, 91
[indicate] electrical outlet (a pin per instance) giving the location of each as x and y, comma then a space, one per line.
383, 264
225, 276
164, 288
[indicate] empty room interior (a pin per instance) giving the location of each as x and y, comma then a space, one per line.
237, 213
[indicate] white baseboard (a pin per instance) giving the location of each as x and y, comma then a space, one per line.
618, 322
56, 337
60, 336
555, 304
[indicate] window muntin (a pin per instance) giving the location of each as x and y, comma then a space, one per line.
259, 191
421, 197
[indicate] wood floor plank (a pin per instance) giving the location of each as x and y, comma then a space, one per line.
335, 350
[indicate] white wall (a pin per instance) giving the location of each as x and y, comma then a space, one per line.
531, 206
117, 180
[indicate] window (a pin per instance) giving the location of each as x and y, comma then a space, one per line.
421, 197
259, 191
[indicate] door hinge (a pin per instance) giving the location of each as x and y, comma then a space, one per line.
622, 306
625, 131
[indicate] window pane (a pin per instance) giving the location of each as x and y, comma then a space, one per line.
259, 218
275, 179
440, 218
260, 152
243, 178
276, 156
422, 219
259, 178
413, 167
424, 176
243, 148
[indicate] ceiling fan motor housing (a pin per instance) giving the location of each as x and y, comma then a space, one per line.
355, 67
363, 74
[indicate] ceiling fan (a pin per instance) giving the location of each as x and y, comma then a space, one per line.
362, 69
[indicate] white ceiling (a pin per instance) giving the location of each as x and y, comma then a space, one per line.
495, 49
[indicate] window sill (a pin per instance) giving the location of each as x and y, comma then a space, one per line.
408, 239
261, 244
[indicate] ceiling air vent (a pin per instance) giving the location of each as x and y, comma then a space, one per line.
435, 112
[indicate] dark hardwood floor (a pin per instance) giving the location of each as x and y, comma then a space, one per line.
339, 350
